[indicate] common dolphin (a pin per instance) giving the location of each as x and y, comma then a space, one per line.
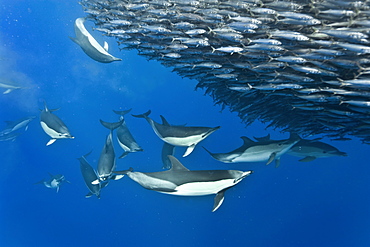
125, 139
89, 175
89, 45
54, 182
15, 125
107, 159
53, 126
182, 182
250, 151
8, 87
9, 137
311, 149
183, 136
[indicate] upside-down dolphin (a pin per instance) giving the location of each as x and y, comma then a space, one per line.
53, 126
182, 182
89, 175
89, 45
312, 149
54, 182
125, 139
183, 136
107, 159
264, 150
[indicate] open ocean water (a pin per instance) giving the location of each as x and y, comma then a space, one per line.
325, 202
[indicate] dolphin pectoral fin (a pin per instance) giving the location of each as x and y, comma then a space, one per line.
272, 157
117, 177
308, 159
96, 181
219, 199
106, 46
189, 150
75, 40
88, 195
123, 155
277, 162
50, 142
57, 189
7, 91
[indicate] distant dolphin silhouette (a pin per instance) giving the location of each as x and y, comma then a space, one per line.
89, 45
54, 182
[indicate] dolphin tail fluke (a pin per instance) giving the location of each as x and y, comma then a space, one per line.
111, 126
219, 199
123, 155
124, 172
144, 115
122, 113
189, 150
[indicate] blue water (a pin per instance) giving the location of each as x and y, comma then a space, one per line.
321, 203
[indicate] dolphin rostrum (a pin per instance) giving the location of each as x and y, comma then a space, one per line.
107, 159
183, 136
54, 182
182, 182
312, 149
125, 138
89, 45
263, 150
53, 126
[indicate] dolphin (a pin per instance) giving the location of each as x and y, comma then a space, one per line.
107, 159
15, 125
264, 150
8, 87
125, 138
54, 182
182, 136
182, 182
89, 45
89, 175
311, 149
9, 137
53, 126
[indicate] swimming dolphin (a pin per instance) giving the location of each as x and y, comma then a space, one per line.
183, 136
107, 159
182, 182
53, 126
8, 86
250, 151
125, 138
15, 125
9, 137
89, 45
311, 149
89, 175
54, 182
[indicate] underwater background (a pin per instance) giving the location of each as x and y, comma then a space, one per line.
325, 202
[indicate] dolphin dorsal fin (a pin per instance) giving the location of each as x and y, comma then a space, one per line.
176, 165
105, 46
247, 141
164, 121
